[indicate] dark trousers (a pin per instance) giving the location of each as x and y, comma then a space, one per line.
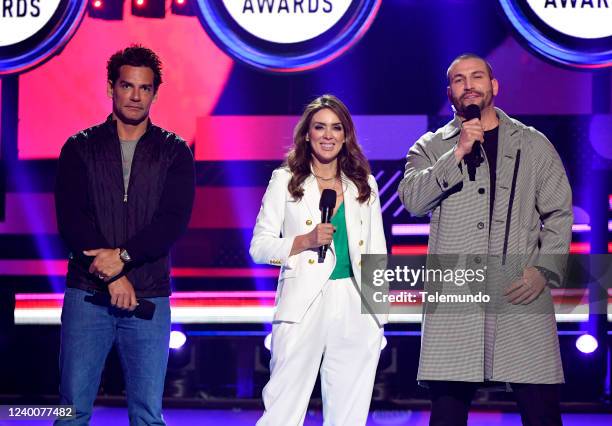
450, 403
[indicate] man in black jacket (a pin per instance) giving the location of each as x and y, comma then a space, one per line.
124, 195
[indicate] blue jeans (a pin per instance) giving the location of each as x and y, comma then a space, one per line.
88, 333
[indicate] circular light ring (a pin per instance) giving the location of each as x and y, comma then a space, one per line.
72, 17
233, 44
548, 47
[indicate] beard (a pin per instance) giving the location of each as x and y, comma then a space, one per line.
486, 100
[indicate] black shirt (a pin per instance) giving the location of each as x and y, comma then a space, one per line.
490, 149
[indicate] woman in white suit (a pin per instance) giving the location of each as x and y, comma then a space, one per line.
318, 322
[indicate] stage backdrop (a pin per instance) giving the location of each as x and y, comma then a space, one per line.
238, 121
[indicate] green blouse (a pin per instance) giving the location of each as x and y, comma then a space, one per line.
343, 260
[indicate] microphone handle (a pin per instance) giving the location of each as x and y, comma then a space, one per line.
322, 253
325, 218
477, 152
473, 160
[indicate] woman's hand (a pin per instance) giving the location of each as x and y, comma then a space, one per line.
321, 235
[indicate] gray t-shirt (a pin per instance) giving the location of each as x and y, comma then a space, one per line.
127, 155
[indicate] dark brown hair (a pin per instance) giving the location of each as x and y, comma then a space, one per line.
351, 160
136, 56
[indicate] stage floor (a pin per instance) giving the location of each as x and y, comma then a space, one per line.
104, 416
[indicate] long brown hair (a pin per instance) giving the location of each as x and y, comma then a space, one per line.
351, 160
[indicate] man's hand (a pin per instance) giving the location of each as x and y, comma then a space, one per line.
471, 131
527, 289
122, 294
107, 263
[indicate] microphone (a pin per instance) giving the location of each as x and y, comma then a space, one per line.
326, 205
472, 111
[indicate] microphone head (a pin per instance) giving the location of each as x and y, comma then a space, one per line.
472, 111
328, 199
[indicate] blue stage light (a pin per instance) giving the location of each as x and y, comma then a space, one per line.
383, 343
268, 341
586, 344
177, 339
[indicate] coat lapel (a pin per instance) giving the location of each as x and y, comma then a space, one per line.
509, 143
352, 216
311, 198
452, 128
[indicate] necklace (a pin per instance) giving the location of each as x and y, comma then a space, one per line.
325, 179
326, 185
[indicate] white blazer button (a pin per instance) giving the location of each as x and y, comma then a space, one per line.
309, 222
311, 261
360, 242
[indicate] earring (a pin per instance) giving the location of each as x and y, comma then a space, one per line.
307, 138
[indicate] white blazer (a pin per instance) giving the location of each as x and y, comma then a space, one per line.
282, 218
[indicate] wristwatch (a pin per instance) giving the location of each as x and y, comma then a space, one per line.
124, 256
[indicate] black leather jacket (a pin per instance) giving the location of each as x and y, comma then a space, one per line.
94, 211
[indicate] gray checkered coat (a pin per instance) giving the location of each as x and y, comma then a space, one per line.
532, 217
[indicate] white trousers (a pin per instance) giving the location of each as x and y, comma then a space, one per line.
335, 330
